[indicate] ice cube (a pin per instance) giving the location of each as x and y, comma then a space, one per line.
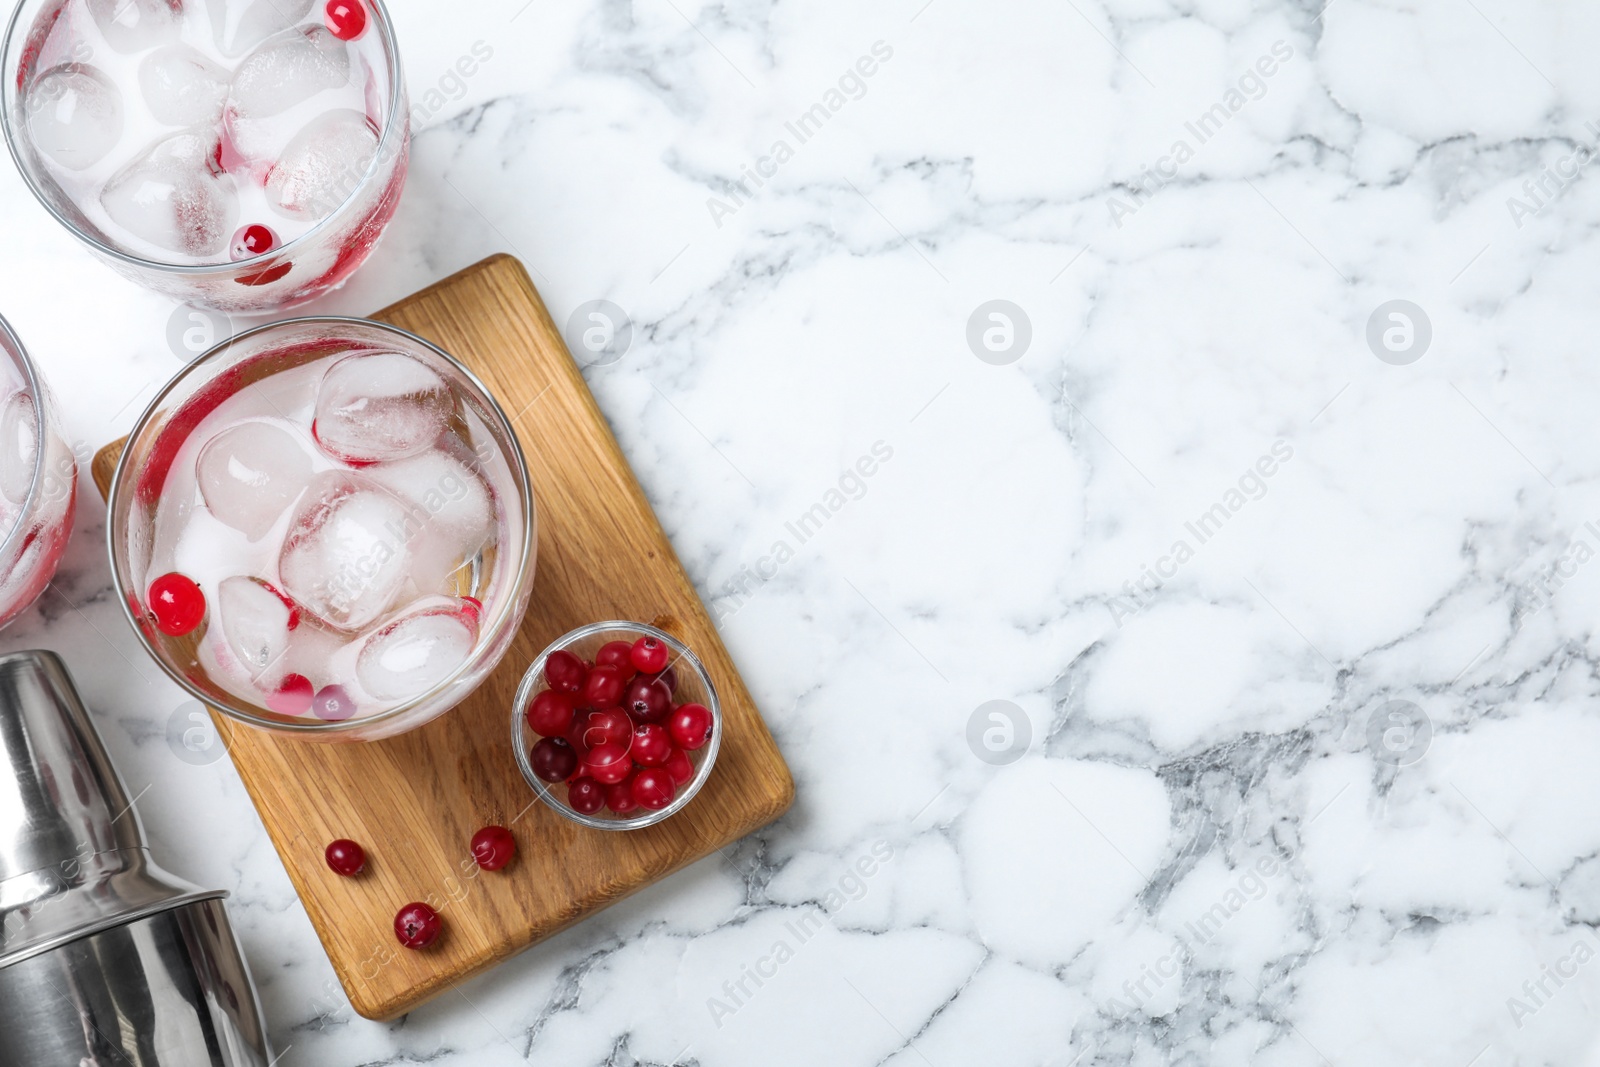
239, 27
288, 69
345, 556
250, 473
412, 654
134, 25
182, 87
256, 622
376, 406
322, 165
74, 115
446, 496
19, 447
173, 199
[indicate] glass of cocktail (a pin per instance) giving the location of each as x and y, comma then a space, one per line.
38, 481
244, 154
324, 527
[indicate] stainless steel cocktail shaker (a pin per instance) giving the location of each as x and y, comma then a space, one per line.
105, 959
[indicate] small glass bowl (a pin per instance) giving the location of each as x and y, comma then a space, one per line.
694, 687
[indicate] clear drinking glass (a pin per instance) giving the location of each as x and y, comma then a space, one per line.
321, 187
348, 589
38, 481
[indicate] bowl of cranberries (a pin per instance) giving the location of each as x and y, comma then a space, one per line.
616, 725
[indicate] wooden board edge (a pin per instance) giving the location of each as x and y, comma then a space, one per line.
387, 1009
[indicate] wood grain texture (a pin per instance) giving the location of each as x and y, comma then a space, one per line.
414, 801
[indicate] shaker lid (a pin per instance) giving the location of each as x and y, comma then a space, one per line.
72, 851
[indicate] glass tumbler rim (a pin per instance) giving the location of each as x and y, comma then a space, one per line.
515, 459
10, 100
33, 382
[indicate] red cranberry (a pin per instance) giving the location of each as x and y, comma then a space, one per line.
618, 654
346, 858
177, 604
669, 678
690, 725
417, 926
654, 788
333, 703
550, 713
553, 760
578, 732
679, 767
611, 726
472, 606
493, 847
293, 695
603, 688
648, 699
586, 796
619, 797
607, 763
565, 672
652, 744
253, 240
345, 19
650, 655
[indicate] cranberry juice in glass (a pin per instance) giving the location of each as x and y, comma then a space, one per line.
38, 481
324, 527
245, 154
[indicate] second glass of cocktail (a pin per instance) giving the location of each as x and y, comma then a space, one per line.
244, 154
324, 527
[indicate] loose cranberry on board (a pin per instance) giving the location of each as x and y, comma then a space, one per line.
346, 858
493, 847
418, 926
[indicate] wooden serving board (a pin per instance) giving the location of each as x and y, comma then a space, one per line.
415, 801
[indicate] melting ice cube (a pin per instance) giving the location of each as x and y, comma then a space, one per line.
171, 198
250, 473
451, 512
19, 447
345, 557
414, 653
256, 622
322, 165
182, 87
238, 27
288, 69
74, 115
376, 406
134, 25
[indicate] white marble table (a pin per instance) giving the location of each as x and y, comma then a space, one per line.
1197, 533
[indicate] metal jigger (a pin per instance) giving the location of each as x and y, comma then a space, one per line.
105, 959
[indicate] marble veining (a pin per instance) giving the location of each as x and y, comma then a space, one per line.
1112, 746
